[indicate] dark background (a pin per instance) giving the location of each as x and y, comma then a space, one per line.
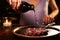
3, 6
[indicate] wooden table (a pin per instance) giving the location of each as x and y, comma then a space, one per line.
6, 34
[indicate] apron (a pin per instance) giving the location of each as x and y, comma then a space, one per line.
32, 17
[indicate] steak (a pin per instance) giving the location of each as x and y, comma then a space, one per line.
35, 31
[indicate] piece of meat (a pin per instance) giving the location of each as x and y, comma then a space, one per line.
28, 31
35, 31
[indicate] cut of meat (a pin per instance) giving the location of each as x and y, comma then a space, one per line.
35, 31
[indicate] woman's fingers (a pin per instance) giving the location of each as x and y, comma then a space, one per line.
47, 20
15, 3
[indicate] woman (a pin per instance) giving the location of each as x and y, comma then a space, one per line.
41, 11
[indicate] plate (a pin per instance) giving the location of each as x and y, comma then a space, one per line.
51, 32
56, 26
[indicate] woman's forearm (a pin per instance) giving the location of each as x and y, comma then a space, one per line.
54, 8
54, 13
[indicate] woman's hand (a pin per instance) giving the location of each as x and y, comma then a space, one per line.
47, 20
15, 3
